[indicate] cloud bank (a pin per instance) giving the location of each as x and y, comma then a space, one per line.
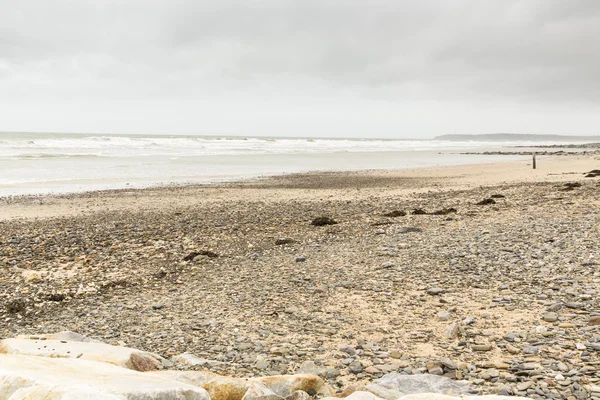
300, 68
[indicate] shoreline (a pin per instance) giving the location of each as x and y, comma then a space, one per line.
400, 182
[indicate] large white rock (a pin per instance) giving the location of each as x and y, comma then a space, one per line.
393, 386
64, 335
228, 388
29, 377
121, 356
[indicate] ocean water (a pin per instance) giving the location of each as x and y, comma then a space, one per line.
37, 163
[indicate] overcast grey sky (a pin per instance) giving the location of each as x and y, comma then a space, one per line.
370, 68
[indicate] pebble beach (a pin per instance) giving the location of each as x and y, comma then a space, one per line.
488, 274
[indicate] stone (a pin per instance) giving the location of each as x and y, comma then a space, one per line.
392, 386
299, 395
595, 320
228, 388
30, 377
117, 355
482, 347
452, 331
435, 291
356, 367
550, 317
434, 368
64, 335
261, 365
257, 391
357, 395
444, 315
191, 360
372, 370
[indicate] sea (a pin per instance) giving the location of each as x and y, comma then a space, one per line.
44, 163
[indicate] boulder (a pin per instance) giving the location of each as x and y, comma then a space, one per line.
227, 388
392, 386
65, 335
29, 377
257, 391
122, 356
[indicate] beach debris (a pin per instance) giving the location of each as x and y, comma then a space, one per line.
445, 211
323, 221
419, 211
593, 173
486, 202
16, 306
497, 196
194, 254
395, 213
570, 186
284, 241
410, 230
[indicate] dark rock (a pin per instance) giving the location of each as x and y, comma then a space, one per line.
419, 211
435, 291
486, 202
395, 213
300, 259
16, 306
445, 211
281, 242
195, 254
497, 196
323, 221
58, 297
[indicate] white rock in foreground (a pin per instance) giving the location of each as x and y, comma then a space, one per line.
29, 377
121, 356
228, 388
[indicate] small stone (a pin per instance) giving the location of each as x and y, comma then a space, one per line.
261, 365
356, 367
435, 368
371, 370
482, 347
158, 306
595, 320
521, 387
300, 259
528, 349
444, 315
452, 331
435, 291
550, 317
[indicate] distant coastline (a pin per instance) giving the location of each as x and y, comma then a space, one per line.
498, 137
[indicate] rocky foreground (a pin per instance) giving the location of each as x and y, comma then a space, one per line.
497, 286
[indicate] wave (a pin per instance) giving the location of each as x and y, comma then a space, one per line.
49, 156
48, 146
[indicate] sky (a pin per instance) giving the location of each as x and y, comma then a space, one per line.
348, 68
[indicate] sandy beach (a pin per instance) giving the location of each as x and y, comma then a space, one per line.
487, 273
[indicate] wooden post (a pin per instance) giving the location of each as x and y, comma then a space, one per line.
533, 154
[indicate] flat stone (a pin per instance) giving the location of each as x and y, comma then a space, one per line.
550, 317
444, 315
228, 388
482, 347
117, 355
30, 377
435, 291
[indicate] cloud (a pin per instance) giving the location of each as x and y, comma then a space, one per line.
302, 58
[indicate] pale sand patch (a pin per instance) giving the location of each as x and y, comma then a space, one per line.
307, 187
